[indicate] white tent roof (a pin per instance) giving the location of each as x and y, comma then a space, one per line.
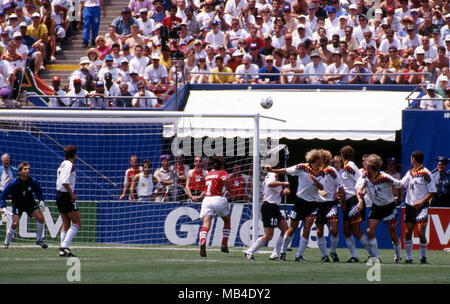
309, 114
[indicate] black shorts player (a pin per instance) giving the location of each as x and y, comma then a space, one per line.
326, 212
351, 214
303, 209
271, 215
414, 215
65, 203
386, 213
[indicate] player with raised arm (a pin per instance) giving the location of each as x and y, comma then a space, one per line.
144, 183
273, 190
195, 181
327, 211
305, 205
419, 188
352, 217
215, 202
379, 186
22, 200
66, 200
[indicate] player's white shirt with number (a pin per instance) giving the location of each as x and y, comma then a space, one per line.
271, 194
350, 176
66, 174
418, 184
306, 189
380, 189
331, 181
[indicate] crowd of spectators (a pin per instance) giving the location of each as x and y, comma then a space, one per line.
277, 41
31, 32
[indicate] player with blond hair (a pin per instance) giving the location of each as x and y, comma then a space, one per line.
327, 211
305, 204
379, 186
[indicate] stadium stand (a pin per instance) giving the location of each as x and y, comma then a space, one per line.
399, 42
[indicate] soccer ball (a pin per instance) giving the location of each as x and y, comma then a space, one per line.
267, 102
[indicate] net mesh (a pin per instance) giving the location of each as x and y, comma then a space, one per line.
170, 216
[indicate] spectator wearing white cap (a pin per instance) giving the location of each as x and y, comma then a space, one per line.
316, 68
155, 73
13, 25
124, 71
22, 49
442, 86
210, 57
146, 25
247, 72
301, 35
39, 31
431, 101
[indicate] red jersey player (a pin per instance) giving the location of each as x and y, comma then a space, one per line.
195, 181
215, 202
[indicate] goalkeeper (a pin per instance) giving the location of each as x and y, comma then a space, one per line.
22, 200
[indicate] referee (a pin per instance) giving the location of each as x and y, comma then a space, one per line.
22, 200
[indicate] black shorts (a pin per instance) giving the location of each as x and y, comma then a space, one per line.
351, 214
413, 215
18, 209
271, 215
64, 203
387, 213
326, 212
303, 209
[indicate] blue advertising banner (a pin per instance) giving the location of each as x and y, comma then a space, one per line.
179, 224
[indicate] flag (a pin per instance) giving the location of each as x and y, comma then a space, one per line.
33, 85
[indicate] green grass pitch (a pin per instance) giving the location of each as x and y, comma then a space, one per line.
183, 264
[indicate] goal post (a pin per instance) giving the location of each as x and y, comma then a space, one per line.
107, 139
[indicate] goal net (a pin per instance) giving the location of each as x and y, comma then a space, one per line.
106, 141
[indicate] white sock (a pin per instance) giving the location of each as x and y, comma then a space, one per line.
70, 235
423, 250
39, 231
303, 245
10, 234
322, 242
409, 249
398, 249
277, 248
350, 241
286, 241
63, 236
365, 242
373, 245
334, 242
258, 244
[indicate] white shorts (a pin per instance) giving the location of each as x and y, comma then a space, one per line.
214, 205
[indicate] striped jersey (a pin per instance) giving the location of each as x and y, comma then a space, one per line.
350, 175
379, 188
418, 183
331, 181
306, 189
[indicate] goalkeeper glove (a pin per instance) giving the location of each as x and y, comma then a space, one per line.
42, 206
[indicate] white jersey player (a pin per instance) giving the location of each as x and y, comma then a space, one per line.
379, 186
419, 186
66, 200
273, 190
